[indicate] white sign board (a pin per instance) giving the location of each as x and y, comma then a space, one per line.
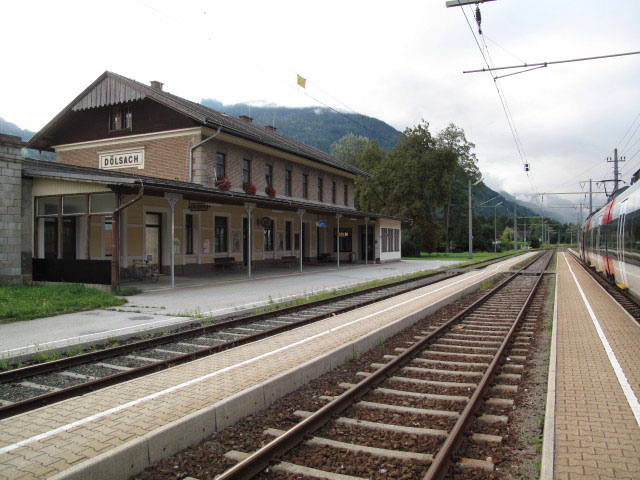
122, 159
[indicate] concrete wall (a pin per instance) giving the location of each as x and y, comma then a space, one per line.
10, 209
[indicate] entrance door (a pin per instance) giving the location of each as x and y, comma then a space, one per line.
305, 237
153, 239
318, 242
69, 238
50, 237
245, 237
368, 242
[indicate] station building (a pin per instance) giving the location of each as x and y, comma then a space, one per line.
142, 175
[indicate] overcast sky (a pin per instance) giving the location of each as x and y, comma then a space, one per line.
398, 61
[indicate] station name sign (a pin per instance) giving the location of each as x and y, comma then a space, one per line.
133, 158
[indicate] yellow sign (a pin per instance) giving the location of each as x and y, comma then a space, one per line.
302, 82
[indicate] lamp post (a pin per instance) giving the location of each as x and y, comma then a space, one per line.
471, 219
495, 233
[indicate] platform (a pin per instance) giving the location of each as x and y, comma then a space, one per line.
118, 431
160, 308
594, 431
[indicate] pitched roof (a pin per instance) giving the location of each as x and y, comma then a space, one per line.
111, 88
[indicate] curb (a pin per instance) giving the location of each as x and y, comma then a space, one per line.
134, 456
548, 439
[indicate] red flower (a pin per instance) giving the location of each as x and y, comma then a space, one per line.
269, 190
223, 183
249, 188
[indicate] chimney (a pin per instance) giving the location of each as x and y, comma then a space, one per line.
271, 128
156, 84
245, 118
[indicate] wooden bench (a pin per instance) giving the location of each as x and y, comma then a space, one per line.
324, 257
289, 260
224, 262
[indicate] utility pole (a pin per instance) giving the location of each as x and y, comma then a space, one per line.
615, 168
470, 224
515, 228
590, 198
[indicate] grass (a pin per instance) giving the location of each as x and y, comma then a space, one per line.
25, 302
128, 291
460, 256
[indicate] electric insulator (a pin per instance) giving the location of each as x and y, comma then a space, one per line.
478, 19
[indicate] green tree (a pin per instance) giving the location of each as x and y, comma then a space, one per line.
453, 141
349, 148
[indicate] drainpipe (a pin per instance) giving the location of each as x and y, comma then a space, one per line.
115, 234
196, 146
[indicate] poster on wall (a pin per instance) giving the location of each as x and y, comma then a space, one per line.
235, 241
176, 246
206, 246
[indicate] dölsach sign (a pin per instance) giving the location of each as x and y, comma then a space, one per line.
122, 159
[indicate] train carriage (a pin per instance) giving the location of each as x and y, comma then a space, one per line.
610, 240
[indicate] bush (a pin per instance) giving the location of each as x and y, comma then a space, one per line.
535, 243
411, 242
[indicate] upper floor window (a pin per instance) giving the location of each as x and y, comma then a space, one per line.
333, 192
287, 183
319, 189
221, 164
305, 185
120, 118
346, 194
268, 175
246, 171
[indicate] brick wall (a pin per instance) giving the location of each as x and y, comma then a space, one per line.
10, 210
169, 158
205, 165
164, 157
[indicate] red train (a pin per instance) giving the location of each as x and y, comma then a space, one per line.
610, 240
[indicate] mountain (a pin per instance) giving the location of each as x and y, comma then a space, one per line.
491, 197
318, 127
9, 128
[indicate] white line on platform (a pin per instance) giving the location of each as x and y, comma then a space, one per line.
166, 391
630, 395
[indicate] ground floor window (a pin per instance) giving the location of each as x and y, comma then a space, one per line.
188, 225
221, 234
345, 236
390, 240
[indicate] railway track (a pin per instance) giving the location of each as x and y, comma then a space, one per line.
417, 409
34, 386
626, 300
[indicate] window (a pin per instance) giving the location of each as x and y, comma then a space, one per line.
74, 204
246, 171
221, 235
268, 175
107, 238
188, 226
346, 194
396, 240
120, 118
221, 163
305, 185
48, 206
319, 189
103, 202
287, 235
345, 240
383, 240
333, 192
268, 238
287, 183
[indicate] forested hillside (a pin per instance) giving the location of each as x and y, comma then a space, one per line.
318, 127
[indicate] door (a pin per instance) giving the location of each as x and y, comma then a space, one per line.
153, 239
69, 238
50, 238
245, 246
366, 243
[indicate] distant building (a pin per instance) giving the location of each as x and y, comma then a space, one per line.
140, 170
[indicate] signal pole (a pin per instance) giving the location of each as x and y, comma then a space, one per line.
515, 228
615, 167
